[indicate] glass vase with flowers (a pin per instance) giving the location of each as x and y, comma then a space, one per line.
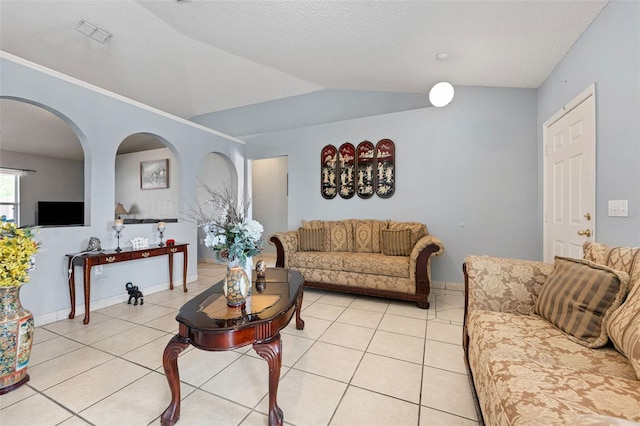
232, 237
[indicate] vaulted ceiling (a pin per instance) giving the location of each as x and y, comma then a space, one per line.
194, 57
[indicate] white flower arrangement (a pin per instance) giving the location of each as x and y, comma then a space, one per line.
229, 235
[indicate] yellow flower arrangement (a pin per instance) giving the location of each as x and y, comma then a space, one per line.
17, 250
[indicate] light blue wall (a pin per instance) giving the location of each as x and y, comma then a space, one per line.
607, 54
101, 123
473, 162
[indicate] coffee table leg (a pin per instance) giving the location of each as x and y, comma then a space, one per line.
271, 351
170, 363
299, 321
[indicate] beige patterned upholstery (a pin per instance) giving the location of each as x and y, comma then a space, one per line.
624, 329
525, 371
366, 235
352, 259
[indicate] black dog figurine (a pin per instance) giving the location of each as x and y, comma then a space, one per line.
134, 293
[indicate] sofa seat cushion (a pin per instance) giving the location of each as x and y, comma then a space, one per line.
363, 263
526, 371
319, 260
376, 264
530, 393
513, 337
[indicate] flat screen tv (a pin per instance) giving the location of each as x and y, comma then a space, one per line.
60, 213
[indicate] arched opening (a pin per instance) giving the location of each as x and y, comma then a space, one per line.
217, 172
44, 152
146, 180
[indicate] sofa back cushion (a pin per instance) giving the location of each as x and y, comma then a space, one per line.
397, 242
366, 235
579, 296
625, 259
311, 239
624, 328
418, 230
338, 235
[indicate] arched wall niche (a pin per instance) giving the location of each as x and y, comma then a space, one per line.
145, 199
217, 172
37, 137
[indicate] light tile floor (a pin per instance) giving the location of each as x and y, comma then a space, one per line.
359, 361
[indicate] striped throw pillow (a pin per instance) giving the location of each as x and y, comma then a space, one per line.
311, 239
396, 243
624, 328
579, 296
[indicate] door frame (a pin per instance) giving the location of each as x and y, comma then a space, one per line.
584, 95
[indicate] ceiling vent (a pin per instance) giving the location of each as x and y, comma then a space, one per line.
93, 32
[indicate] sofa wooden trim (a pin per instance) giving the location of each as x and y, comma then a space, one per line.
465, 347
423, 285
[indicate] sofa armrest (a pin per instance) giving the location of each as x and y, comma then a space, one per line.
425, 247
503, 285
285, 243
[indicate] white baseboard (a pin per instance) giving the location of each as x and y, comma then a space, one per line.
63, 314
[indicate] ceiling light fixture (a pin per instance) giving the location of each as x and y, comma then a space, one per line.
441, 94
92, 31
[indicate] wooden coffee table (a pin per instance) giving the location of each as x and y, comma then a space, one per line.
207, 323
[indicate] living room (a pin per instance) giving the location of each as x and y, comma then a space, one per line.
471, 171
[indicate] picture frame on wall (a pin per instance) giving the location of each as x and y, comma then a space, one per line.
385, 168
365, 173
329, 172
347, 170
154, 174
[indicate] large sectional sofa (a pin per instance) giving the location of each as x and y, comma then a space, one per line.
528, 362
364, 256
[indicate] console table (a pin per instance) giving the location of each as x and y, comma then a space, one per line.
106, 257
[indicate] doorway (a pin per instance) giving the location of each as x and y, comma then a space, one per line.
269, 198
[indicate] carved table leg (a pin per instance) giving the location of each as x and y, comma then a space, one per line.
271, 351
170, 363
87, 292
72, 289
299, 321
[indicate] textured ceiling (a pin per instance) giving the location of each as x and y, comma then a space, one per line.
191, 58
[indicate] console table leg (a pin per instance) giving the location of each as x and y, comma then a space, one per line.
170, 271
184, 270
170, 363
87, 292
299, 321
72, 289
271, 351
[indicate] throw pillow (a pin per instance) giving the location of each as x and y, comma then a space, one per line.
579, 296
311, 239
396, 243
624, 328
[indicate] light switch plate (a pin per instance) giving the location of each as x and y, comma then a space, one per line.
619, 208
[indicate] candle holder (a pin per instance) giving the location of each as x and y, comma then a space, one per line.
118, 229
161, 231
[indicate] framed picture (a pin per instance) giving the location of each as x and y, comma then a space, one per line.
154, 174
347, 170
329, 171
385, 168
365, 173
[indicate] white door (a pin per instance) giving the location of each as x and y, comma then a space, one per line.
569, 182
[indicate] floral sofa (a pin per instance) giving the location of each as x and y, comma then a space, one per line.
526, 366
363, 256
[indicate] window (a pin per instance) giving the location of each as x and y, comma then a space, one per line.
10, 196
